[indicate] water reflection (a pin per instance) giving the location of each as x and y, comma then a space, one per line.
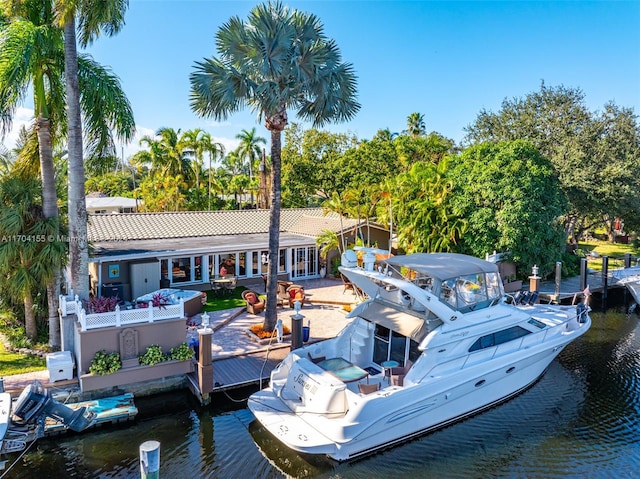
580, 420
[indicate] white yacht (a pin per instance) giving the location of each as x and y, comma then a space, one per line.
435, 341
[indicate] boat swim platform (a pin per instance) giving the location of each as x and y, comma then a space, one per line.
109, 410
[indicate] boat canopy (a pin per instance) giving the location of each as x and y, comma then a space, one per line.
442, 266
401, 322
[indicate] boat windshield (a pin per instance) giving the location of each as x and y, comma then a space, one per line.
471, 292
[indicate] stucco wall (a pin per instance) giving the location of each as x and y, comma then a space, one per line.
168, 333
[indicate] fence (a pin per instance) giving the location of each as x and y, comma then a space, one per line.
119, 317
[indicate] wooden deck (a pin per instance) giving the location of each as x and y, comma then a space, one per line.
240, 371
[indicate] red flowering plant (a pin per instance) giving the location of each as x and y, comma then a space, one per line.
160, 300
101, 304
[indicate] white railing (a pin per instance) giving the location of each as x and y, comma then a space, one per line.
119, 317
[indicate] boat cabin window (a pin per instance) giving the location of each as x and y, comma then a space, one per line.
471, 292
391, 345
499, 337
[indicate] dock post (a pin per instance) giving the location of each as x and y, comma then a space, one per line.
627, 260
150, 460
558, 277
583, 274
605, 277
205, 363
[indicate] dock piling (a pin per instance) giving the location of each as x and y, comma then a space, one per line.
558, 278
583, 274
150, 460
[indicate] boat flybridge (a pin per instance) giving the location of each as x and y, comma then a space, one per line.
435, 341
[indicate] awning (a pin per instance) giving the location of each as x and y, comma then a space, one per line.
403, 323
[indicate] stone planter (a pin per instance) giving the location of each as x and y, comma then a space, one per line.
137, 374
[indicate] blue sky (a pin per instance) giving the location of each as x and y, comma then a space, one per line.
447, 60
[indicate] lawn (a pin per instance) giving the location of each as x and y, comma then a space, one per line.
218, 303
615, 252
17, 363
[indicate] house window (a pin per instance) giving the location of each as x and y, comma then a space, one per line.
185, 270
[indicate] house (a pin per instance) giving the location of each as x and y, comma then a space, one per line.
110, 204
137, 253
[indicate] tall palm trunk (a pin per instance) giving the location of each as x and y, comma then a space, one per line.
49, 210
78, 249
270, 316
31, 329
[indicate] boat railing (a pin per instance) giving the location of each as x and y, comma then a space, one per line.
120, 317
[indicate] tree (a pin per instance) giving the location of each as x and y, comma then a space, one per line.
28, 257
311, 165
277, 60
250, 150
510, 198
557, 121
32, 54
415, 125
166, 154
30, 48
426, 220
106, 16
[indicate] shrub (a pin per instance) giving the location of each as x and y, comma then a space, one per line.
105, 363
181, 352
101, 304
153, 355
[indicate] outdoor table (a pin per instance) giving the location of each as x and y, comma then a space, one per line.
387, 365
344, 370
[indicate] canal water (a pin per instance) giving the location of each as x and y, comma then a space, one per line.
581, 420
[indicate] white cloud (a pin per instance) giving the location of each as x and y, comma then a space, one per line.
22, 117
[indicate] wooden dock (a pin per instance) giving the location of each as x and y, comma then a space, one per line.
243, 370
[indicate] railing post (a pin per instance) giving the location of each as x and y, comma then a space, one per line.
182, 307
62, 305
118, 319
82, 318
151, 311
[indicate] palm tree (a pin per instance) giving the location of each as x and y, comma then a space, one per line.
26, 264
250, 150
416, 125
106, 16
215, 150
32, 54
277, 60
195, 143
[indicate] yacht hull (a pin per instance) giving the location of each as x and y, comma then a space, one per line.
416, 410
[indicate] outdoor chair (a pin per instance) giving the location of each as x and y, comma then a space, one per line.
231, 285
283, 296
255, 305
348, 285
216, 288
296, 293
368, 388
397, 374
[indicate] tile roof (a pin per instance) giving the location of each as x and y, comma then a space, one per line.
193, 224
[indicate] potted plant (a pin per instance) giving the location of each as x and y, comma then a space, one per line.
153, 355
105, 363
